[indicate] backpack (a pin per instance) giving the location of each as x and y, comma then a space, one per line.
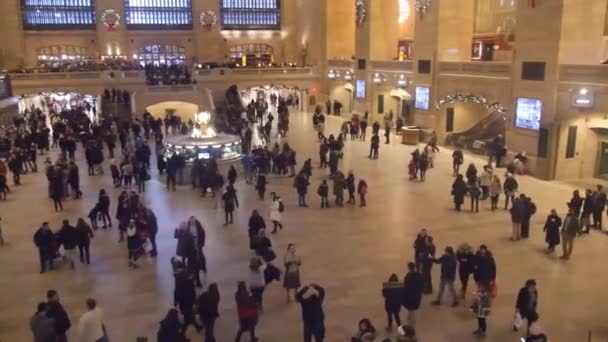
281, 207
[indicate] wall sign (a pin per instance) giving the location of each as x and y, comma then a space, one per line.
423, 98
582, 100
528, 113
360, 89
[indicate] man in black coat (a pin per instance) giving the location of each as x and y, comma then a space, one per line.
301, 185
375, 145
152, 230
485, 266
529, 210
58, 314
527, 299
43, 239
184, 297
311, 299
68, 235
599, 202
413, 284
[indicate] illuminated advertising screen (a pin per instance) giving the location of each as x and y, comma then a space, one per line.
423, 98
360, 89
528, 113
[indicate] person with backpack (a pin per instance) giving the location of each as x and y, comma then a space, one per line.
569, 231
323, 192
276, 209
362, 191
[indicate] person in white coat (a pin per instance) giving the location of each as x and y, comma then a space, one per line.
484, 181
276, 208
90, 326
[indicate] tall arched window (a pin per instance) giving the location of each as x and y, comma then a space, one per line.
159, 14
58, 14
251, 14
161, 54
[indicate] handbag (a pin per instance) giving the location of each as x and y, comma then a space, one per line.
518, 321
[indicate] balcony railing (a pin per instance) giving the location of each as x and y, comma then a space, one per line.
499, 70
341, 64
91, 75
393, 66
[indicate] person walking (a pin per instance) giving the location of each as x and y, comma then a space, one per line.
257, 282
58, 314
529, 211
292, 262
423, 165
392, 291
570, 228
90, 325
208, 310
85, 234
311, 299
527, 300
466, 266
374, 146
103, 204
475, 191
518, 212
276, 209
482, 306
459, 190
260, 185
133, 244
457, 160
68, 235
485, 267
232, 175
301, 185
247, 309
362, 191
230, 202
510, 188
551, 229
323, 192
44, 241
185, 296
449, 265
339, 184
41, 325
413, 287
350, 186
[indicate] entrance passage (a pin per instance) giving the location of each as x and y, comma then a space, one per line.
603, 164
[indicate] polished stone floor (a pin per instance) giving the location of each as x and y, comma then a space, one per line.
349, 251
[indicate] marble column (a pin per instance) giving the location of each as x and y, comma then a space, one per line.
114, 42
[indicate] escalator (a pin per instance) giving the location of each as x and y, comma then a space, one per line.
478, 135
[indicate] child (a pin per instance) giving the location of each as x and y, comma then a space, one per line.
323, 192
482, 309
362, 191
411, 167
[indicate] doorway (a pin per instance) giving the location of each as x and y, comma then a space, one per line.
603, 161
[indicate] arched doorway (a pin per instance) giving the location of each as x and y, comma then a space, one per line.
52, 104
185, 110
294, 96
470, 120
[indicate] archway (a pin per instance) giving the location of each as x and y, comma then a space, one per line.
293, 95
185, 110
52, 104
343, 93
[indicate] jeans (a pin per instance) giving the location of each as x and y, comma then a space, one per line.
324, 202
258, 293
392, 315
209, 330
228, 215
316, 329
475, 203
301, 200
481, 324
45, 256
171, 181
84, 254
507, 196
450, 284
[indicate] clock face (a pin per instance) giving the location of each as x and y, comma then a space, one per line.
361, 10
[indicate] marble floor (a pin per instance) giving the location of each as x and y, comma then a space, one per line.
349, 251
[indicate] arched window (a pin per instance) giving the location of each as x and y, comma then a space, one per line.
254, 53
161, 54
251, 14
58, 14
159, 14
62, 53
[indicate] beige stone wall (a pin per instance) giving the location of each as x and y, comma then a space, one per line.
340, 29
35, 41
582, 35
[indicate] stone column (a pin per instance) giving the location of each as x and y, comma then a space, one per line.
12, 43
209, 45
113, 42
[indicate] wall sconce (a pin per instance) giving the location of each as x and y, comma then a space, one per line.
348, 76
583, 91
402, 81
331, 74
378, 78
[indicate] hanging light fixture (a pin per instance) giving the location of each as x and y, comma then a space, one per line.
404, 11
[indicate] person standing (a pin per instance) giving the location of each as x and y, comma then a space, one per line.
230, 202
292, 262
551, 229
527, 300
362, 191
449, 264
103, 204
232, 175
44, 240
569, 230
495, 188
518, 212
323, 192
576, 202
74, 179
58, 314
171, 328
260, 185
68, 235
208, 310
90, 326
599, 203
311, 299
510, 188
485, 267
529, 210
301, 185
374, 146
459, 190
413, 287
247, 311
85, 234
350, 185
257, 282
392, 291
587, 211
339, 184
276, 209
185, 295
466, 266
428, 256
41, 325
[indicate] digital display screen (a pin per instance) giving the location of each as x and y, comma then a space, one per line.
423, 98
528, 113
204, 155
360, 89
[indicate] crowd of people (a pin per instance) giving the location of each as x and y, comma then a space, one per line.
263, 163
